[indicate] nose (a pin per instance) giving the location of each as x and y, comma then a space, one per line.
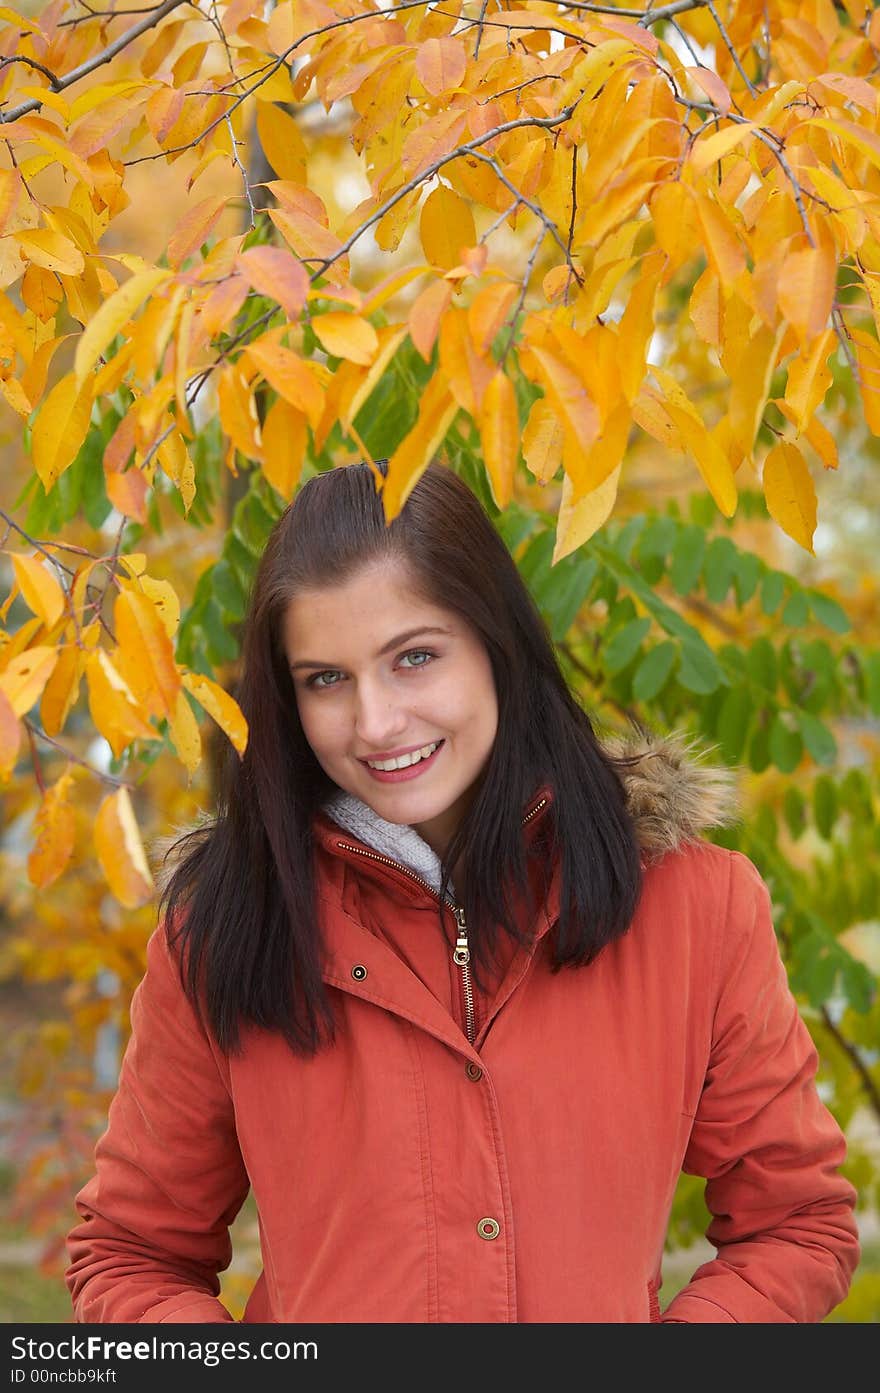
380, 719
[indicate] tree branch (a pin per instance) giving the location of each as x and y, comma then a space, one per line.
855, 1059
97, 61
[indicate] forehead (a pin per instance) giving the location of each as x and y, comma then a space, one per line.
374, 603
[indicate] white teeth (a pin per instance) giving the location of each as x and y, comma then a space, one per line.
403, 761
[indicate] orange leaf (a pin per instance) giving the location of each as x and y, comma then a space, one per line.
500, 436
588, 469
807, 283
194, 228
446, 227
310, 240
25, 675
220, 706
120, 851
722, 245
128, 494
707, 150
712, 85
55, 828
467, 372
290, 375
62, 689
566, 394
706, 308
10, 737
145, 655
488, 310
809, 378
790, 493
437, 410
346, 336
282, 141
751, 384
273, 272
112, 705
42, 593
425, 314
41, 292
285, 438
637, 326
441, 64
60, 429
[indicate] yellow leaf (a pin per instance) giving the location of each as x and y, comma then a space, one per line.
809, 378
466, 371
711, 460
55, 828
221, 706
751, 384
274, 272
437, 410
52, 250
706, 150
195, 227
10, 737
867, 142
112, 705
282, 141
238, 411
723, 247
120, 851
868, 360
112, 318
441, 64
637, 326
807, 283
174, 458
543, 440
588, 468
291, 377
500, 436
42, 593
790, 493
310, 240
284, 446
390, 338
184, 731
25, 676
707, 308
445, 227
577, 522
164, 598
62, 689
346, 336
488, 311
41, 292
60, 429
425, 315
567, 396
145, 656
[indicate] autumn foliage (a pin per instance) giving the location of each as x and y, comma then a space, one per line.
550, 238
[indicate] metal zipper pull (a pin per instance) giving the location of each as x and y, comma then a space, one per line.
462, 953
461, 956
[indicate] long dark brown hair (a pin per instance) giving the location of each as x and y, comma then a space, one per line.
242, 891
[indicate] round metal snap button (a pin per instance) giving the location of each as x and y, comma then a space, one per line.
488, 1228
473, 1070
358, 972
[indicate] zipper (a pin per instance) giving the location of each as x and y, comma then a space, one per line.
461, 953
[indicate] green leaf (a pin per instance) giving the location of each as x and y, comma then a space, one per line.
772, 591
719, 568
828, 612
794, 810
747, 575
855, 794
221, 645
699, 671
817, 737
657, 539
687, 559
797, 610
872, 682
623, 646
766, 831
759, 748
786, 746
733, 723
654, 670
761, 664
824, 805
227, 590
858, 983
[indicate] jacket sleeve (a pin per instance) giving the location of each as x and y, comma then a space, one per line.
155, 1217
783, 1222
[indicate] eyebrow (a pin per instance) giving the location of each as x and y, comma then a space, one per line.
386, 648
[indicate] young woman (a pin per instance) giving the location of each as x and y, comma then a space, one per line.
457, 991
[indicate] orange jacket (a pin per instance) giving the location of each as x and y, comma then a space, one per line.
409, 1175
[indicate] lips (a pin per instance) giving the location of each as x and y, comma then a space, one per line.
412, 771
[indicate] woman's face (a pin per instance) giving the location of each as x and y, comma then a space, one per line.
379, 673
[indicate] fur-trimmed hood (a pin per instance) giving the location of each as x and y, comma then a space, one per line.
673, 793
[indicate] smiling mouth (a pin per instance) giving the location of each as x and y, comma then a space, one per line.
405, 761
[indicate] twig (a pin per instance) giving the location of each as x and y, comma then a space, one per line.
32, 63
97, 61
710, 5
75, 759
855, 1059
